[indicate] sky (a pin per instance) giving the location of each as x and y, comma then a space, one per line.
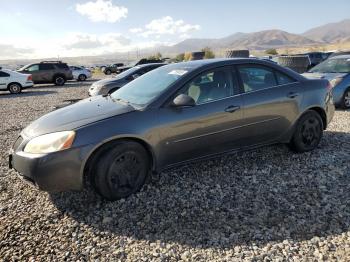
50, 28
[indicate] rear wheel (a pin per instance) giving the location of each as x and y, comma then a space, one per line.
308, 132
15, 88
121, 170
346, 99
82, 77
108, 72
59, 80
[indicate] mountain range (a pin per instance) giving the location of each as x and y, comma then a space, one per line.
326, 34
333, 33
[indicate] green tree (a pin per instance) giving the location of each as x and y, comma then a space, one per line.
271, 51
180, 57
208, 53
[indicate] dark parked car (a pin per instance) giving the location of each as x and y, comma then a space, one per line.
169, 116
139, 62
337, 71
111, 68
108, 86
45, 72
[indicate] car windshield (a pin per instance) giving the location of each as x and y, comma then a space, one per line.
127, 73
148, 87
337, 65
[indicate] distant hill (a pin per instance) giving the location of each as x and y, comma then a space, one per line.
258, 41
330, 33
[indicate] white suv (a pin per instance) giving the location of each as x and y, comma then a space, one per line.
13, 81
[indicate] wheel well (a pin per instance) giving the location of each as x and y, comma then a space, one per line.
322, 114
8, 86
97, 151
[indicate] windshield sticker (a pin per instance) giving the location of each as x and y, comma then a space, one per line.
178, 72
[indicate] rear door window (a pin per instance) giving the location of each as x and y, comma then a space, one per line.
283, 79
256, 77
46, 67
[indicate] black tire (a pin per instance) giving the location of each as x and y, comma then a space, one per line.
299, 64
308, 132
346, 99
108, 72
15, 88
121, 170
237, 53
59, 80
82, 77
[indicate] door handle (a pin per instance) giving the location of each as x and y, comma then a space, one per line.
292, 95
231, 109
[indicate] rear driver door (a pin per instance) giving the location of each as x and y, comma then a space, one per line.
271, 101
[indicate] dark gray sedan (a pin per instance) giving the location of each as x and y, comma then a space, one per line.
172, 115
108, 86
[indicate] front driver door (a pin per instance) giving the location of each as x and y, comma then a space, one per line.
209, 127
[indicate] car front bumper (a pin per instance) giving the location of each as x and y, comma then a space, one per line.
54, 172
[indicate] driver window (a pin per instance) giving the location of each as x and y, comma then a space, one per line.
33, 68
209, 86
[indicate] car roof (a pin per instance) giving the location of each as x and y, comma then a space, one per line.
341, 57
224, 61
150, 64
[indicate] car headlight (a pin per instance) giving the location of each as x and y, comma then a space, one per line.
50, 142
336, 81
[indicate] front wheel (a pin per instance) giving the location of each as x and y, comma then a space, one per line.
108, 72
15, 88
308, 132
346, 99
82, 77
121, 170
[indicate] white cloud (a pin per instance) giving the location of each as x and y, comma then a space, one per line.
136, 30
168, 26
72, 44
102, 11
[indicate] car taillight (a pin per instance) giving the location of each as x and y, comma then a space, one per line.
30, 78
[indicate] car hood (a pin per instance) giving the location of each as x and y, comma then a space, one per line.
110, 81
328, 76
76, 115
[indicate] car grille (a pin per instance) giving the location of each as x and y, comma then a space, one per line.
17, 143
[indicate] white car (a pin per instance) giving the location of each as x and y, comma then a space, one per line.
80, 73
14, 82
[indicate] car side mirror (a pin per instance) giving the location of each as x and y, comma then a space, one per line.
183, 100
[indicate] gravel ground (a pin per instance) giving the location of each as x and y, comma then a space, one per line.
262, 205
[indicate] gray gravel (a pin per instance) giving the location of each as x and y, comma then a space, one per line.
262, 205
